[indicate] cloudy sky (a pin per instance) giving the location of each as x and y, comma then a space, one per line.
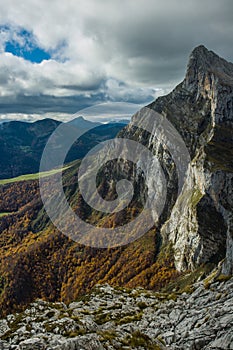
58, 57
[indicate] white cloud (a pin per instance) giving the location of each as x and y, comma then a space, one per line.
122, 50
33, 117
101, 112
48, 77
108, 111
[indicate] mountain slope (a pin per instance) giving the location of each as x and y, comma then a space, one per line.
113, 318
82, 123
22, 144
39, 262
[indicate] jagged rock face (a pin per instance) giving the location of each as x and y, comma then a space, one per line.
200, 224
111, 319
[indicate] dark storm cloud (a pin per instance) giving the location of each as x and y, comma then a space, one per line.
68, 104
43, 104
158, 41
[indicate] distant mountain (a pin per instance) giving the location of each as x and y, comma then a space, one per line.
82, 123
22, 143
4, 121
91, 138
21, 146
121, 121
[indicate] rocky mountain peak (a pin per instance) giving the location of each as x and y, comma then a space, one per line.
205, 62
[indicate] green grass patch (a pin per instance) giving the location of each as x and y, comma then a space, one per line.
223, 278
107, 335
14, 326
139, 339
184, 283
36, 176
102, 318
130, 318
196, 197
4, 214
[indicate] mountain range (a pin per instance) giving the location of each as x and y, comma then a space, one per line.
22, 143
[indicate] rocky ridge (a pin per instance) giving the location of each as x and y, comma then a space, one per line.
199, 319
199, 223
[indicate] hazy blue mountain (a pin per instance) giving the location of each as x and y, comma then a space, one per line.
82, 123
22, 143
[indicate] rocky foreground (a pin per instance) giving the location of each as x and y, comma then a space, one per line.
112, 318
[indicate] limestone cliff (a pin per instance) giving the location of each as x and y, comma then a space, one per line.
110, 318
200, 223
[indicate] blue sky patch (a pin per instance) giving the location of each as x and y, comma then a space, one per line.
24, 45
